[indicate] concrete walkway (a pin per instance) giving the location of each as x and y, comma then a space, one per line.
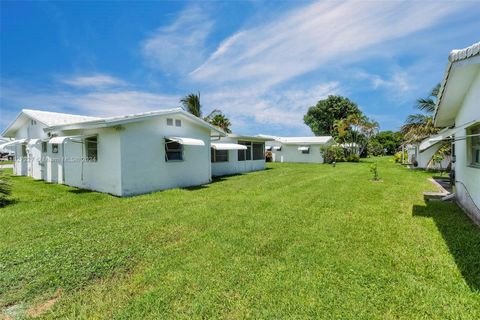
6, 166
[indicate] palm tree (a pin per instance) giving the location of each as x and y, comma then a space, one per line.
191, 103
221, 121
420, 126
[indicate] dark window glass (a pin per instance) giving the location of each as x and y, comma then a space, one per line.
258, 151
91, 147
24, 150
44, 147
221, 155
54, 147
173, 151
245, 154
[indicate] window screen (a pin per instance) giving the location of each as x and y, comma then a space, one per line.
219, 155
91, 147
258, 151
474, 145
173, 150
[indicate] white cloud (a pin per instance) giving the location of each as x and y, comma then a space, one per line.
95, 103
398, 82
306, 39
179, 47
95, 80
277, 109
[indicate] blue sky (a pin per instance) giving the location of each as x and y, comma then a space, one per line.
262, 63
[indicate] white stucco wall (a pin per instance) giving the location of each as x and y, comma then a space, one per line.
103, 175
143, 164
425, 156
467, 177
290, 153
30, 165
233, 166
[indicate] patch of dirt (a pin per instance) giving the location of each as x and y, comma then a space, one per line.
45, 306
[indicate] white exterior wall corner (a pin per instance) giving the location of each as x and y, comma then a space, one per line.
103, 175
143, 165
290, 153
468, 178
233, 166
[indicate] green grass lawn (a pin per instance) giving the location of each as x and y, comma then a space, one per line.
293, 241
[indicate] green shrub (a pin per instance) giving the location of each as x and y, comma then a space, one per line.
5, 188
333, 154
353, 158
374, 171
398, 156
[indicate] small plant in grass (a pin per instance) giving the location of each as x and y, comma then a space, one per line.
5, 189
374, 171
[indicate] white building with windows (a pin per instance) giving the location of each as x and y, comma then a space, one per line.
237, 154
458, 109
125, 155
297, 149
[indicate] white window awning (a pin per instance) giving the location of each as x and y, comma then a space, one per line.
268, 148
34, 141
228, 146
187, 141
12, 143
303, 148
277, 148
60, 140
441, 136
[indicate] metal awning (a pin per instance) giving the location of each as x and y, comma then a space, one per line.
433, 140
278, 148
187, 141
228, 146
60, 140
304, 148
12, 143
33, 141
268, 148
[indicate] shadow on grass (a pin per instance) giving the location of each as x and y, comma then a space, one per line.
80, 191
461, 235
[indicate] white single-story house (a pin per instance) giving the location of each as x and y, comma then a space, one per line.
125, 155
458, 108
420, 155
297, 149
235, 154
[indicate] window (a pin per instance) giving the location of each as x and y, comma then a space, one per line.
473, 145
91, 148
178, 123
33, 122
219, 155
173, 150
24, 150
169, 122
245, 154
44, 147
304, 149
258, 151
54, 147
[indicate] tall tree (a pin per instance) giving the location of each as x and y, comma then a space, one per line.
221, 121
321, 117
420, 125
191, 103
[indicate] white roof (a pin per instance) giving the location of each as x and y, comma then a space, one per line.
301, 140
46, 118
462, 67
304, 148
227, 146
119, 120
444, 134
187, 141
11, 143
